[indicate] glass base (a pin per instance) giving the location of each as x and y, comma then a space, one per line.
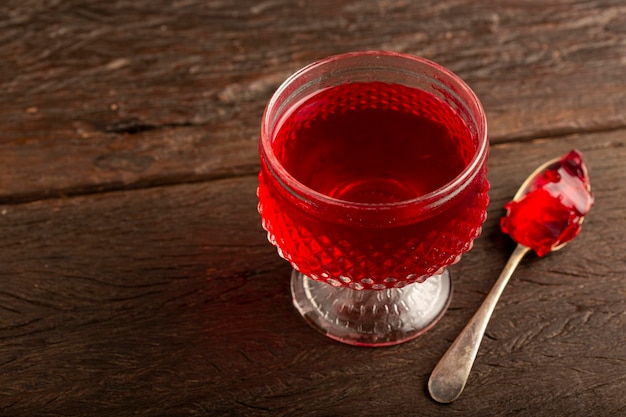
372, 317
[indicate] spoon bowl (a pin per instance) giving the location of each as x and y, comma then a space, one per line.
529, 182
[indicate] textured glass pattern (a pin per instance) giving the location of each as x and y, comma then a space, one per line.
376, 258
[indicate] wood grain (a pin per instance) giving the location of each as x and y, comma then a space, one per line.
169, 301
120, 95
135, 277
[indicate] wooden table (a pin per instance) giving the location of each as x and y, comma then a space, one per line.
136, 279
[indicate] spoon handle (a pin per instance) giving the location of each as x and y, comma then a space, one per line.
450, 375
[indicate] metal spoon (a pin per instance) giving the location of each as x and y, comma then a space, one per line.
450, 375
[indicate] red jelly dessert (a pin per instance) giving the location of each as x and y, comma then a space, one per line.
551, 213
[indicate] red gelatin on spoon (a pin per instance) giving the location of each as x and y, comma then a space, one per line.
551, 212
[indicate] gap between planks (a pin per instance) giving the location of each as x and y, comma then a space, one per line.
103, 188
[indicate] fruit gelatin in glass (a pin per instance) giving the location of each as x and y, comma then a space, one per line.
372, 182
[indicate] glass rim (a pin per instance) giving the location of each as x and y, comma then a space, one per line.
434, 198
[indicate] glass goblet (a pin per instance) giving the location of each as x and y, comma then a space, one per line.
373, 181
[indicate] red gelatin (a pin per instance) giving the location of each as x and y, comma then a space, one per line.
372, 143
552, 212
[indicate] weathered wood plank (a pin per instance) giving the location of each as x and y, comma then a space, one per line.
169, 301
117, 95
